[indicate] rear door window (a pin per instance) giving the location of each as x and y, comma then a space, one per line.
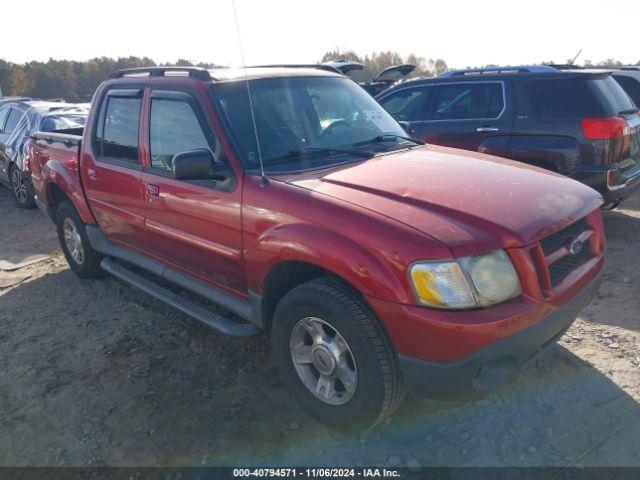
407, 104
118, 129
466, 101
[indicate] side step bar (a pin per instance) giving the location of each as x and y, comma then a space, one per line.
220, 323
250, 310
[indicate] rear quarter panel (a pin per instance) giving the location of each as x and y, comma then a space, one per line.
559, 143
56, 165
553, 152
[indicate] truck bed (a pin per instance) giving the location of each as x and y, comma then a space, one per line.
53, 156
70, 136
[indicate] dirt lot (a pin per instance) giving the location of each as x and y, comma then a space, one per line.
96, 373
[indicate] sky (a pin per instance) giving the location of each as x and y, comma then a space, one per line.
462, 32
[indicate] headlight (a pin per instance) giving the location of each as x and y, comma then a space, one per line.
466, 283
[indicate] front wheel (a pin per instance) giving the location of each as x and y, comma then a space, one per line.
21, 188
80, 255
335, 356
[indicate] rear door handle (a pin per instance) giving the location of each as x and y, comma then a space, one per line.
487, 129
153, 190
92, 174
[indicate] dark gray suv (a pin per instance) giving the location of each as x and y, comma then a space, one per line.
580, 123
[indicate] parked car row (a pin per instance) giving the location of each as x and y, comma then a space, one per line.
19, 118
377, 264
580, 122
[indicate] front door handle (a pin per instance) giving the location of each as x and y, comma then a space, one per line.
92, 174
487, 129
153, 190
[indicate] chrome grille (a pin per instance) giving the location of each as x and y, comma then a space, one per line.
559, 269
555, 241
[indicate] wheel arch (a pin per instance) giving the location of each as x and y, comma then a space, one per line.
296, 254
62, 184
56, 195
284, 277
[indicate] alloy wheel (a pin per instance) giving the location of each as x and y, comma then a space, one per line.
19, 185
323, 360
73, 241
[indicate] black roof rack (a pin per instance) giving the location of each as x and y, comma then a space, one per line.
613, 67
596, 67
328, 68
498, 70
195, 72
565, 66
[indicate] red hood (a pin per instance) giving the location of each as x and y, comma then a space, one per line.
469, 201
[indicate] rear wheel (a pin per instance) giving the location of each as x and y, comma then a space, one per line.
21, 188
80, 255
335, 356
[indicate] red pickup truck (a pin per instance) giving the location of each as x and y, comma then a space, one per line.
292, 199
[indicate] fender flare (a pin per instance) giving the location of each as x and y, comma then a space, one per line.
367, 272
66, 178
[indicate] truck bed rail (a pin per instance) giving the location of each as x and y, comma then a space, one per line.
70, 140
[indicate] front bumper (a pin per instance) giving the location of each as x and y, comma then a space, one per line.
492, 365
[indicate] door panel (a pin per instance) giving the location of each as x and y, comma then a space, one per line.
463, 115
196, 227
194, 224
112, 179
12, 116
115, 196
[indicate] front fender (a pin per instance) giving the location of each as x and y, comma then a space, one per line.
65, 176
378, 275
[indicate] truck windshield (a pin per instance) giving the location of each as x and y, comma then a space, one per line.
326, 116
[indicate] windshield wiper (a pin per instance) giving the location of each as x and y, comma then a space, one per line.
631, 111
312, 151
387, 137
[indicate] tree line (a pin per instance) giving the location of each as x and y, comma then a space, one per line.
76, 81
67, 79
376, 62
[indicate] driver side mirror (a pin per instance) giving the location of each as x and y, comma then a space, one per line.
405, 125
197, 165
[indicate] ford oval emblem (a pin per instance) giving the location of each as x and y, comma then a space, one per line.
576, 246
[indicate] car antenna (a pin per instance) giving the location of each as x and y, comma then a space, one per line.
263, 181
575, 58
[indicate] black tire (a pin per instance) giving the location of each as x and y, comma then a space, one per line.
89, 267
21, 188
379, 387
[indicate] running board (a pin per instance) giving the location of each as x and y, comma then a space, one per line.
220, 323
250, 310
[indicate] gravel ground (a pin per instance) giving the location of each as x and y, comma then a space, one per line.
96, 373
